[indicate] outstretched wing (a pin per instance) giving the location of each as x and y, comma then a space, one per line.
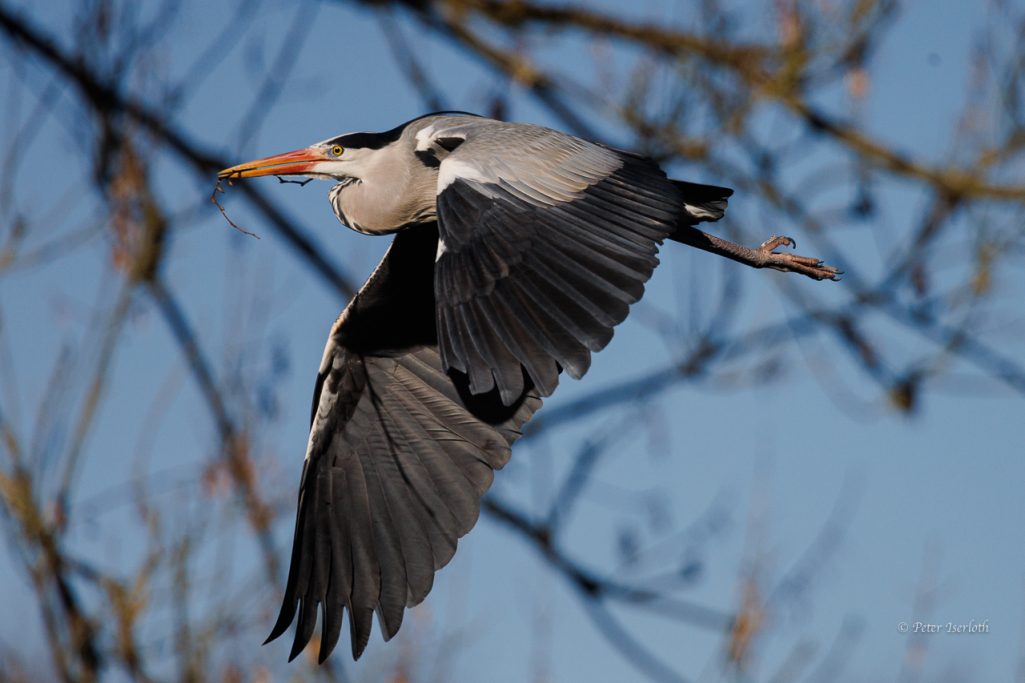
546, 240
400, 454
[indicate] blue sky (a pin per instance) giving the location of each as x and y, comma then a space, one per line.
930, 502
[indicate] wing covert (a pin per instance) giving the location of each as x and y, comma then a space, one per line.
546, 240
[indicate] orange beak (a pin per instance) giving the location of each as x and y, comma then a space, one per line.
290, 163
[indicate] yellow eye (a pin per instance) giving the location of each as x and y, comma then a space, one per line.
337, 150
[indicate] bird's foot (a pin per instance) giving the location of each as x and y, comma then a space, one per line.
805, 265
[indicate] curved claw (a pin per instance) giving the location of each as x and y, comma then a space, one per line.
794, 263
776, 241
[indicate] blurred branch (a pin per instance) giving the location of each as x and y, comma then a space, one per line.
409, 62
234, 446
713, 95
763, 68
72, 636
104, 97
276, 76
599, 587
515, 67
953, 182
627, 645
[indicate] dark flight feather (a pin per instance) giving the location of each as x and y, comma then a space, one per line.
526, 285
401, 452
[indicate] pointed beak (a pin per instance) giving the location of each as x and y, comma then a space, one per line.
290, 163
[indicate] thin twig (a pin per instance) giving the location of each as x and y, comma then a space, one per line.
213, 198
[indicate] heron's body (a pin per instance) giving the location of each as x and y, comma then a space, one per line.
404, 176
518, 249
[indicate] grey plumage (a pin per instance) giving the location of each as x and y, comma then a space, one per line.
400, 454
519, 249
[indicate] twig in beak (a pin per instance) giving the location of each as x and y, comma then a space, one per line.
300, 183
213, 198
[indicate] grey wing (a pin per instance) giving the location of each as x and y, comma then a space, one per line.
399, 456
546, 240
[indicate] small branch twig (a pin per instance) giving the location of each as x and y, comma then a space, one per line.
213, 198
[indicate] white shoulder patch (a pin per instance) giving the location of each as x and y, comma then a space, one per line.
423, 139
452, 169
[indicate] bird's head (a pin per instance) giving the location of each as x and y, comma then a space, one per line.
381, 187
340, 158
385, 182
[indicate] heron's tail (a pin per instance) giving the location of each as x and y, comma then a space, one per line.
702, 202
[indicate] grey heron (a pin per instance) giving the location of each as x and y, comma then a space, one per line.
518, 249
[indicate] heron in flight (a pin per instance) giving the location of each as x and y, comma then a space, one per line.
517, 250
